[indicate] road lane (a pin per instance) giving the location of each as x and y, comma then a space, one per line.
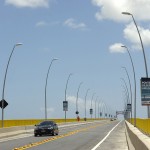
71, 138
115, 141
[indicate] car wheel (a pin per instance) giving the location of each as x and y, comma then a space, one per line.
57, 133
35, 135
53, 133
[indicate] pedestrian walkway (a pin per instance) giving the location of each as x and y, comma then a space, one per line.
116, 140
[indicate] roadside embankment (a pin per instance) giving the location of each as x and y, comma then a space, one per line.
139, 140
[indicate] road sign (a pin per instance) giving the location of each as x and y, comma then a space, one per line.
128, 107
145, 91
77, 112
65, 105
3, 103
91, 111
101, 114
120, 112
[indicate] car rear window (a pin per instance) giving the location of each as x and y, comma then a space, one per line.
46, 123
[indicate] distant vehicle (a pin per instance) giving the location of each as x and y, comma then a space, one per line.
46, 128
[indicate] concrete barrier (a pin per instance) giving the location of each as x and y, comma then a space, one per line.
13, 131
137, 138
10, 129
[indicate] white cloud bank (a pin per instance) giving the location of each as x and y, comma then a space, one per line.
116, 48
131, 34
71, 23
41, 24
81, 102
45, 24
28, 3
112, 9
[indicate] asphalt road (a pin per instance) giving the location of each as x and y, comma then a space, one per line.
79, 137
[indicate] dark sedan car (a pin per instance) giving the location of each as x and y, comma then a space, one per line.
45, 128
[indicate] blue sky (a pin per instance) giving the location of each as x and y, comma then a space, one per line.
86, 37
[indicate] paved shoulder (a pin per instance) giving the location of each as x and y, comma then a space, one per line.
116, 140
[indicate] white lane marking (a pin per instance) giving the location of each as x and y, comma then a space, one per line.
105, 137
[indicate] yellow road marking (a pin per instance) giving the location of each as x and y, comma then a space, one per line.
54, 138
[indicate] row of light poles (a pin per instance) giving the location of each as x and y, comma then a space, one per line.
65, 107
133, 69
130, 88
127, 13
54, 59
91, 110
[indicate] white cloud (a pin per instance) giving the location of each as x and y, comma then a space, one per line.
44, 23
74, 25
116, 48
81, 102
50, 111
112, 9
131, 34
41, 24
28, 3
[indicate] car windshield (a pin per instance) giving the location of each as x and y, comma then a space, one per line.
46, 123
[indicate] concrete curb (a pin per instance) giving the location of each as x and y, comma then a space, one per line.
138, 139
130, 145
13, 131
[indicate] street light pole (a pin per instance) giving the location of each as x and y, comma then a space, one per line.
130, 89
104, 108
66, 91
95, 106
99, 109
3, 92
125, 101
127, 13
134, 82
46, 87
91, 104
85, 102
126, 88
77, 112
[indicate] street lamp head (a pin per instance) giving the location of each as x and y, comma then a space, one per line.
126, 13
18, 44
55, 59
88, 89
123, 46
70, 74
123, 67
